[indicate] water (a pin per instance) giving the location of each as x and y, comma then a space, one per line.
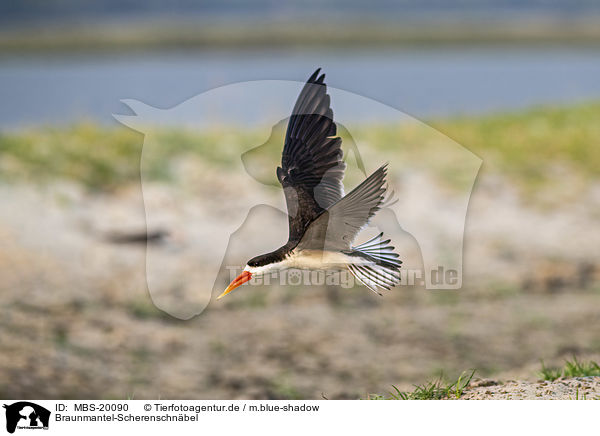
424, 83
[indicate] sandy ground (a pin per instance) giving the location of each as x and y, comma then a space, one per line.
77, 320
579, 388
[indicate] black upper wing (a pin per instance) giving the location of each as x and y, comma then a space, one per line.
311, 169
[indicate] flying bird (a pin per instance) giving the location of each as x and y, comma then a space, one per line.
323, 222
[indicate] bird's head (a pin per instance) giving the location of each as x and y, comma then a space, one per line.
256, 267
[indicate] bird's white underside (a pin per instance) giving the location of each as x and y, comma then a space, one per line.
310, 259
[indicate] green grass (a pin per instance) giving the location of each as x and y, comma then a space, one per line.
530, 147
103, 158
440, 389
94, 156
579, 396
437, 389
571, 368
528, 144
549, 374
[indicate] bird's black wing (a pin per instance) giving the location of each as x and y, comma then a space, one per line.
337, 227
311, 169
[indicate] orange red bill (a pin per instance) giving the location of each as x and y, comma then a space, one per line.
239, 280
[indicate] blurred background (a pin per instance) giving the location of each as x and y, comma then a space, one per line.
514, 82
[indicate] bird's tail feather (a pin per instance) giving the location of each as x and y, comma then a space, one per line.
379, 267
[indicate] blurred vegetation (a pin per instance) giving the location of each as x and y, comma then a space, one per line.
239, 35
530, 147
102, 158
571, 368
85, 153
528, 143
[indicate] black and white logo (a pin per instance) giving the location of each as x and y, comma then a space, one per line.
26, 415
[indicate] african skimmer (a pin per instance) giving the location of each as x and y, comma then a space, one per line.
323, 222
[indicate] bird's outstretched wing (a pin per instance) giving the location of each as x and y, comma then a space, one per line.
311, 169
337, 227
